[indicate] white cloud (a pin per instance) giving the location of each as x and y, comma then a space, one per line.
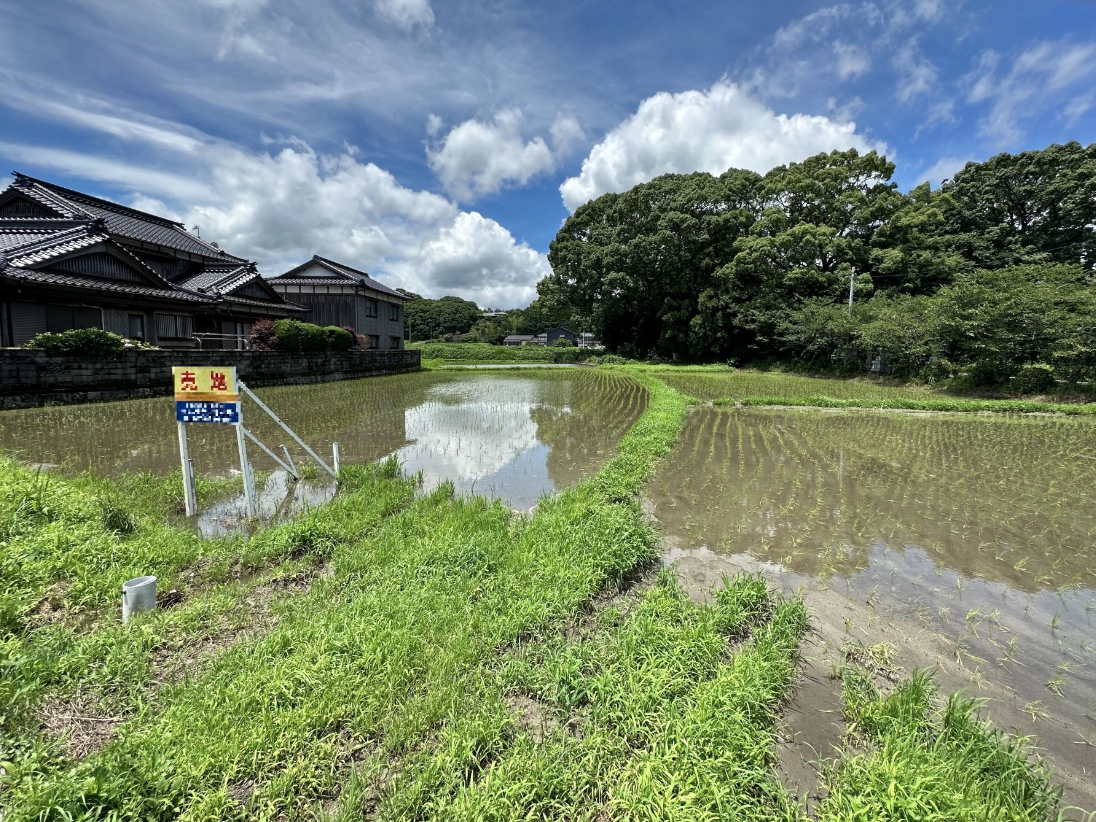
479, 157
566, 133
103, 169
474, 254
944, 169
433, 125
711, 131
282, 207
916, 75
1038, 80
852, 61
406, 13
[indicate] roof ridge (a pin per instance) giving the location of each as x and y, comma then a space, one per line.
94, 229
109, 205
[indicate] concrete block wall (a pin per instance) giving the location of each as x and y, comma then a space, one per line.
30, 378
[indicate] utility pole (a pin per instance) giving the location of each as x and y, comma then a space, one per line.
852, 285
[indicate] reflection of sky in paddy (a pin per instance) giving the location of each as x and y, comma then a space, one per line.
481, 436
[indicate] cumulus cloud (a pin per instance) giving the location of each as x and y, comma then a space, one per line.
1038, 79
406, 13
711, 131
478, 157
281, 208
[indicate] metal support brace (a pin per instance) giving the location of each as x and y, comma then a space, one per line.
292, 467
271, 454
287, 430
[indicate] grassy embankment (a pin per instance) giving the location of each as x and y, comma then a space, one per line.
723, 386
435, 354
447, 664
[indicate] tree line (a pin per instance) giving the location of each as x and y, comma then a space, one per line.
827, 262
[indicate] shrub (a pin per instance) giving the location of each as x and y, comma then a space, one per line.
1037, 378
937, 371
339, 339
612, 359
79, 342
563, 342
263, 336
298, 337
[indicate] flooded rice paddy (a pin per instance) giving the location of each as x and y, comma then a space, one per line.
515, 436
960, 543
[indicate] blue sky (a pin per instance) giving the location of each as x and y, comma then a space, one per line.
441, 144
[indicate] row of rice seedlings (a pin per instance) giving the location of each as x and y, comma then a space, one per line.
737, 385
375, 656
1004, 498
646, 717
927, 764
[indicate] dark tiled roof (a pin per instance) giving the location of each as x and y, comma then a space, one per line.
74, 281
276, 281
122, 220
345, 271
211, 278
10, 238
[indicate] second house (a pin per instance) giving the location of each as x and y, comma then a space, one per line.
337, 294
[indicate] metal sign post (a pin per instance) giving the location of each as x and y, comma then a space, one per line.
206, 394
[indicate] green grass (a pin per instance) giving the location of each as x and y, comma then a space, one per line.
724, 386
924, 764
468, 353
379, 653
649, 716
942, 405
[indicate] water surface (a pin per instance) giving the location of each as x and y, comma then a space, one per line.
514, 435
967, 541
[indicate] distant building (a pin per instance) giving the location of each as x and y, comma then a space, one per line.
560, 333
518, 339
69, 260
336, 294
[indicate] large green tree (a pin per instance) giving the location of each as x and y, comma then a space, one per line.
430, 319
1032, 207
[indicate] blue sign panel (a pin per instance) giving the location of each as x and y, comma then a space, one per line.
197, 411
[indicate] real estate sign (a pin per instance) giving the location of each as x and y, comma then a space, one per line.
206, 394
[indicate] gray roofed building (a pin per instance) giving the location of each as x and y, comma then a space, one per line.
337, 294
70, 260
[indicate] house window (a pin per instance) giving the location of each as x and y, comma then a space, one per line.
174, 326
394, 342
136, 326
372, 340
66, 317
371, 308
393, 312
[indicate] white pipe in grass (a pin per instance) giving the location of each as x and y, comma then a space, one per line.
138, 596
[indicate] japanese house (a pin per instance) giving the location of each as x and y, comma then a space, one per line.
69, 260
337, 294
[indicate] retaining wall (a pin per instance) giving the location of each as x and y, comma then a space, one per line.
30, 378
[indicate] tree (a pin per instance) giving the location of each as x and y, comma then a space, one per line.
430, 319
1032, 207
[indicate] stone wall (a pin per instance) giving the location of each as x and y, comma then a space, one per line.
30, 378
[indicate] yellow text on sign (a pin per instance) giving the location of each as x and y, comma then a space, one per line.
207, 383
